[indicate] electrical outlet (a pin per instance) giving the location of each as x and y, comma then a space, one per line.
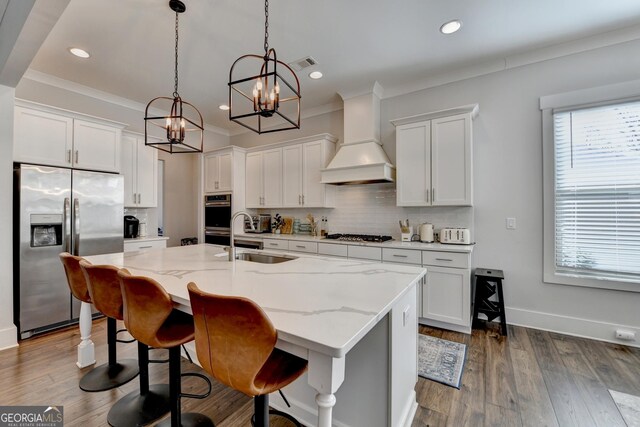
511, 223
622, 334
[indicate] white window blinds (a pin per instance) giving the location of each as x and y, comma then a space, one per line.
597, 192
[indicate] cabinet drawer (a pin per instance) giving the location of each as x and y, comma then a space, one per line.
445, 259
404, 256
365, 252
332, 249
143, 246
276, 244
311, 247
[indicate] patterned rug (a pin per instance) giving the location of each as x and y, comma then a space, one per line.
441, 360
629, 407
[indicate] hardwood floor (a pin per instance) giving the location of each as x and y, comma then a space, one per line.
531, 378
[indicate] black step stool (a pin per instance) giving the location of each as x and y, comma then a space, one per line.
488, 282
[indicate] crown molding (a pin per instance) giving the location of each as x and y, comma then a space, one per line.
48, 79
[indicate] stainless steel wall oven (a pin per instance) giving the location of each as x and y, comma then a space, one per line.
217, 219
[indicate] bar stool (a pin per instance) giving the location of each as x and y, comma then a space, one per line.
235, 342
151, 319
488, 283
114, 373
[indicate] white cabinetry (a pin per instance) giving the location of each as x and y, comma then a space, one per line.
264, 179
144, 245
301, 174
139, 167
446, 292
434, 158
218, 172
48, 136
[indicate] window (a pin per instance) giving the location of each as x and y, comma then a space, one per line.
592, 231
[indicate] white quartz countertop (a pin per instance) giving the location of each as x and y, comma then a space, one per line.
324, 304
146, 239
388, 244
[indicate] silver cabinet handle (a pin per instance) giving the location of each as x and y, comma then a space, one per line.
427, 191
66, 222
399, 256
301, 246
68, 156
144, 247
273, 244
139, 198
217, 185
444, 259
303, 199
134, 198
433, 195
299, 199
76, 156
76, 236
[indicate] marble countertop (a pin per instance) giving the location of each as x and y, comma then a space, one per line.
145, 239
324, 304
395, 244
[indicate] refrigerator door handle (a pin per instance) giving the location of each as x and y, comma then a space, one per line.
76, 227
66, 224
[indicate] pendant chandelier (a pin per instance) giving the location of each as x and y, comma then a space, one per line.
266, 102
182, 124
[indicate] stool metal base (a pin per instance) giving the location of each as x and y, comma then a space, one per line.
190, 419
137, 410
106, 377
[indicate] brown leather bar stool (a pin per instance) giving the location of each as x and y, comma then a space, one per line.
151, 319
114, 373
235, 342
137, 408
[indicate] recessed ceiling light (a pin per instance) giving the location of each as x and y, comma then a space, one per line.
80, 53
315, 75
451, 27
223, 107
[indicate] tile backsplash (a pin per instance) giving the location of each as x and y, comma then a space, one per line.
147, 215
371, 209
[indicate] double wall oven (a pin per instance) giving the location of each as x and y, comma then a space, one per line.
217, 219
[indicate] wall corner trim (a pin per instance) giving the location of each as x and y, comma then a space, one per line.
8, 337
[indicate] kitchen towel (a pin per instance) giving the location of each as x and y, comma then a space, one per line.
441, 360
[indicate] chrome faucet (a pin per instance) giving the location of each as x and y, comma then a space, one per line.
232, 246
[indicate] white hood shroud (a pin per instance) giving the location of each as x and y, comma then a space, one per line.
361, 159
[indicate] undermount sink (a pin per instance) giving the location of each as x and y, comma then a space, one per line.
264, 258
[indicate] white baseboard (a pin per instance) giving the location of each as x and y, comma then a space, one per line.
8, 337
584, 328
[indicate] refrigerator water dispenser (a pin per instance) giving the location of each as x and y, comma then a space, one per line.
46, 230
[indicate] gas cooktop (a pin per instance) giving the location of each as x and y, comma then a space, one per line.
359, 237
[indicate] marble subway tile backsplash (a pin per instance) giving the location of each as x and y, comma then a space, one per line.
371, 209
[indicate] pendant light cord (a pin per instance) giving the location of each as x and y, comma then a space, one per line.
266, 28
175, 87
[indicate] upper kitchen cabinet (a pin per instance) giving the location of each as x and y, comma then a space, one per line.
49, 136
224, 171
434, 158
264, 179
139, 165
301, 174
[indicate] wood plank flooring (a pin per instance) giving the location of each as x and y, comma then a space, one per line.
531, 378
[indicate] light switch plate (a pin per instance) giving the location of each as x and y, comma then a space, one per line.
511, 223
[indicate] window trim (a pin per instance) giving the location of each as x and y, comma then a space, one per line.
612, 94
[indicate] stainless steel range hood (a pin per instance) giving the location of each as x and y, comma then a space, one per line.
361, 159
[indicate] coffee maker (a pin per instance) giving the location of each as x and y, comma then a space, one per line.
131, 226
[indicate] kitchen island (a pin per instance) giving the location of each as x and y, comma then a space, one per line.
354, 321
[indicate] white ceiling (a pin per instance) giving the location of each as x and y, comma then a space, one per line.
356, 42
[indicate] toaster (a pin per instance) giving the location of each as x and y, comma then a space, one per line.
457, 236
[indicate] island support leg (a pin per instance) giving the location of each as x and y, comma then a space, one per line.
86, 351
326, 375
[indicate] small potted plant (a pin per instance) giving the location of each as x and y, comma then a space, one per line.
278, 223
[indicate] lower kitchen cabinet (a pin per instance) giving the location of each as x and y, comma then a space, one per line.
446, 296
144, 245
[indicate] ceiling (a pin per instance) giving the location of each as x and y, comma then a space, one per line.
355, 42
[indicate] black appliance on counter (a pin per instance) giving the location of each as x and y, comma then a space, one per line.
217, 219
131, 226
359, 238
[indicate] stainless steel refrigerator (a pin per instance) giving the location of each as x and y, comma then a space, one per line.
58, 210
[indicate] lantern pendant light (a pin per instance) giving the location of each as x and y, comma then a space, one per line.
182, 125
268, 101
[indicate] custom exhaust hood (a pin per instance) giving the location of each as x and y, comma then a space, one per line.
360, 159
